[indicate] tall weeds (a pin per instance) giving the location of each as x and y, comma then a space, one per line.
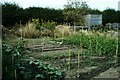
29, 31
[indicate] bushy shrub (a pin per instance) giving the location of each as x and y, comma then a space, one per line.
36, 23
46, 28
35, 29
50, 25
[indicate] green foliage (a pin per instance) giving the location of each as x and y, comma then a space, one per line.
36, 29
74, 12
106, 45
34, 69
110, 16
16, 49
48, 25
10, 56
13, 59
36, 22
10, 14
94, 11
45, 28
60, 55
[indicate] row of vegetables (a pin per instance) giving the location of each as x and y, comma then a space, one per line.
17, 67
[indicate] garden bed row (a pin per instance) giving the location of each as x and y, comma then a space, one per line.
88, 73
40, 48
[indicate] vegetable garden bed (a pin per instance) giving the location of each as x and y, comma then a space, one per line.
89, 65
79, 57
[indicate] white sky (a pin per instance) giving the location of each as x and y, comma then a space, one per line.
94, 4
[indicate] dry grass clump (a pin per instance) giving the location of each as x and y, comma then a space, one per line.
62, 30
47, 33
29, 31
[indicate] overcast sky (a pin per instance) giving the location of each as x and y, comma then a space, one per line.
94, 4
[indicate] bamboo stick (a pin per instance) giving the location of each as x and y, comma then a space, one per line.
117, 49
15, 75
69, 60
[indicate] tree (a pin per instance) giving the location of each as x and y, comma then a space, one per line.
94, 11
74, 11
109, 16
118, 16
10, 13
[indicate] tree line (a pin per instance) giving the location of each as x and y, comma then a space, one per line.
12, 14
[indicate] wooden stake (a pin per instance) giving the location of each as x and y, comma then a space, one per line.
15, 75
69, 59
12, 61
21, 30
117, 48
6, 69
78, 63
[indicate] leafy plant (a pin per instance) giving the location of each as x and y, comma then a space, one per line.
13, 60
34, 69
50, 25
11, 54
106, 45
